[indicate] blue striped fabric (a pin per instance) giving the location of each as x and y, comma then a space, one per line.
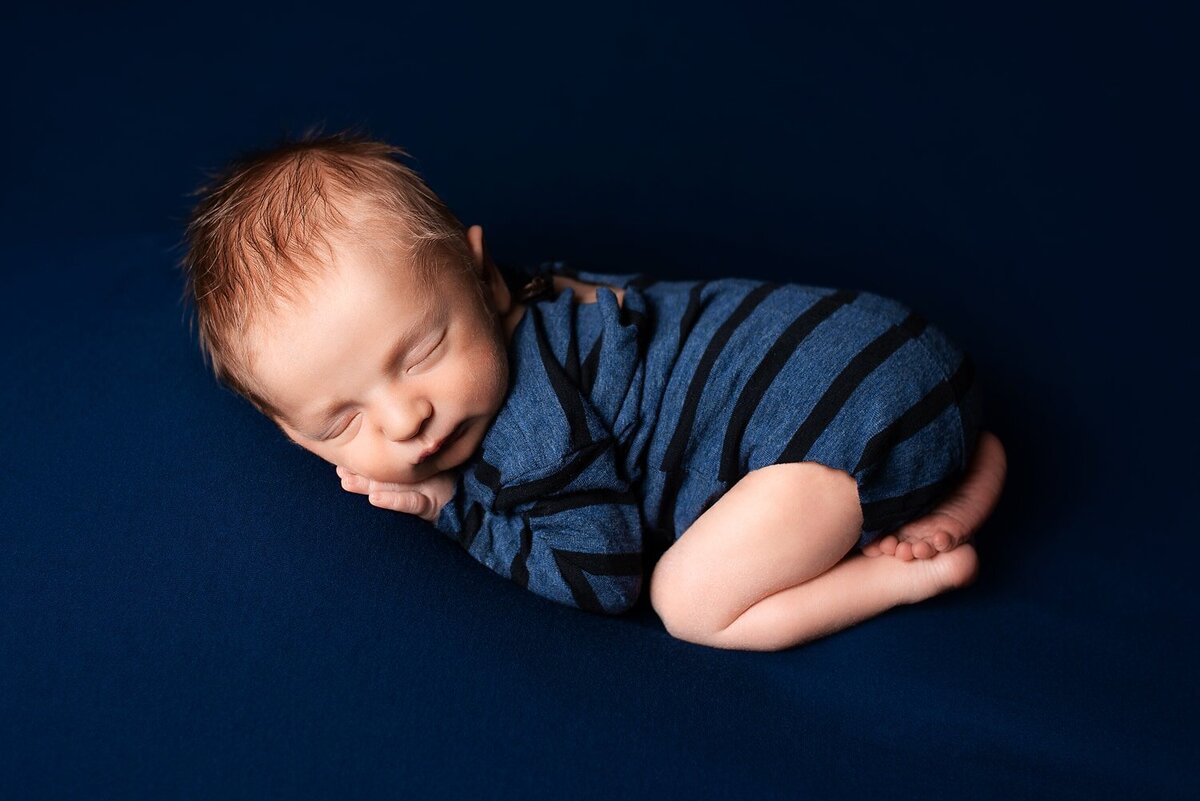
624, 423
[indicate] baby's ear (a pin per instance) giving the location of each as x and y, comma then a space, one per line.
478, 246
497, 288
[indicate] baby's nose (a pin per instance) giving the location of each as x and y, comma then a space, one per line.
399, 425
398, 431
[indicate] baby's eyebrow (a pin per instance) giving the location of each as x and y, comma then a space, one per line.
400, 348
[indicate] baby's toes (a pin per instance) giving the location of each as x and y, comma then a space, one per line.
888, 544
922, 550
872, 549
904, 551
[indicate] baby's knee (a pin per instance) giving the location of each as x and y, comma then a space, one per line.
664, 595
675, 602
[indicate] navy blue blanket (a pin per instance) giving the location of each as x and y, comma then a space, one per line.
190, 606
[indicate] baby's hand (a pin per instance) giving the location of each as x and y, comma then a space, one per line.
424, 499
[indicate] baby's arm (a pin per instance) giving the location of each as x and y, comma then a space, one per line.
573, 535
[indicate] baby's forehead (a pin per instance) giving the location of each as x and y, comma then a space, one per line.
333, 302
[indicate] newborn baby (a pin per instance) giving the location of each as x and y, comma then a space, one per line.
777, 461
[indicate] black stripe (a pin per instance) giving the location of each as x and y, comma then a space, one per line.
853, 374
472, 523
577, 583
691, 404
890, 514
576, 500
604, 564
906, 425
630, 316
509, 497
915, 418
573, 564
692, 313
487, 474
627, 316
673, 480
518, 570
764, 374
565, 389
587, 373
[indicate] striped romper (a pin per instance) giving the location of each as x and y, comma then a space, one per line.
624, 423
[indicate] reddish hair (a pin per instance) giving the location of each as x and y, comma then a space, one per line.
263, 229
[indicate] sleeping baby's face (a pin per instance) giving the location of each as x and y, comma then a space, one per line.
373, 371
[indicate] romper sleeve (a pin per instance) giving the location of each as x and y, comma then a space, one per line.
550, 501
571, 534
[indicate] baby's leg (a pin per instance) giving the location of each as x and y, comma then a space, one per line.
850, 592
761, 569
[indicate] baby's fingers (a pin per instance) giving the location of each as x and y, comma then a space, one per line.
352, 482
397, 497
361, 484
406, 501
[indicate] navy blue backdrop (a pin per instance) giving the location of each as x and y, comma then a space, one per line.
190, 606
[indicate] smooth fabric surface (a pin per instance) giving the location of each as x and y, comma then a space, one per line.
191, 607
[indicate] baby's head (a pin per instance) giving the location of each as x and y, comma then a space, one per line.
339, 296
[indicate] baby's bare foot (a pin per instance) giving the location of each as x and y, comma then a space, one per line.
946, 571
959, 516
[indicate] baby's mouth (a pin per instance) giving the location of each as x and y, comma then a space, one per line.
440, 446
